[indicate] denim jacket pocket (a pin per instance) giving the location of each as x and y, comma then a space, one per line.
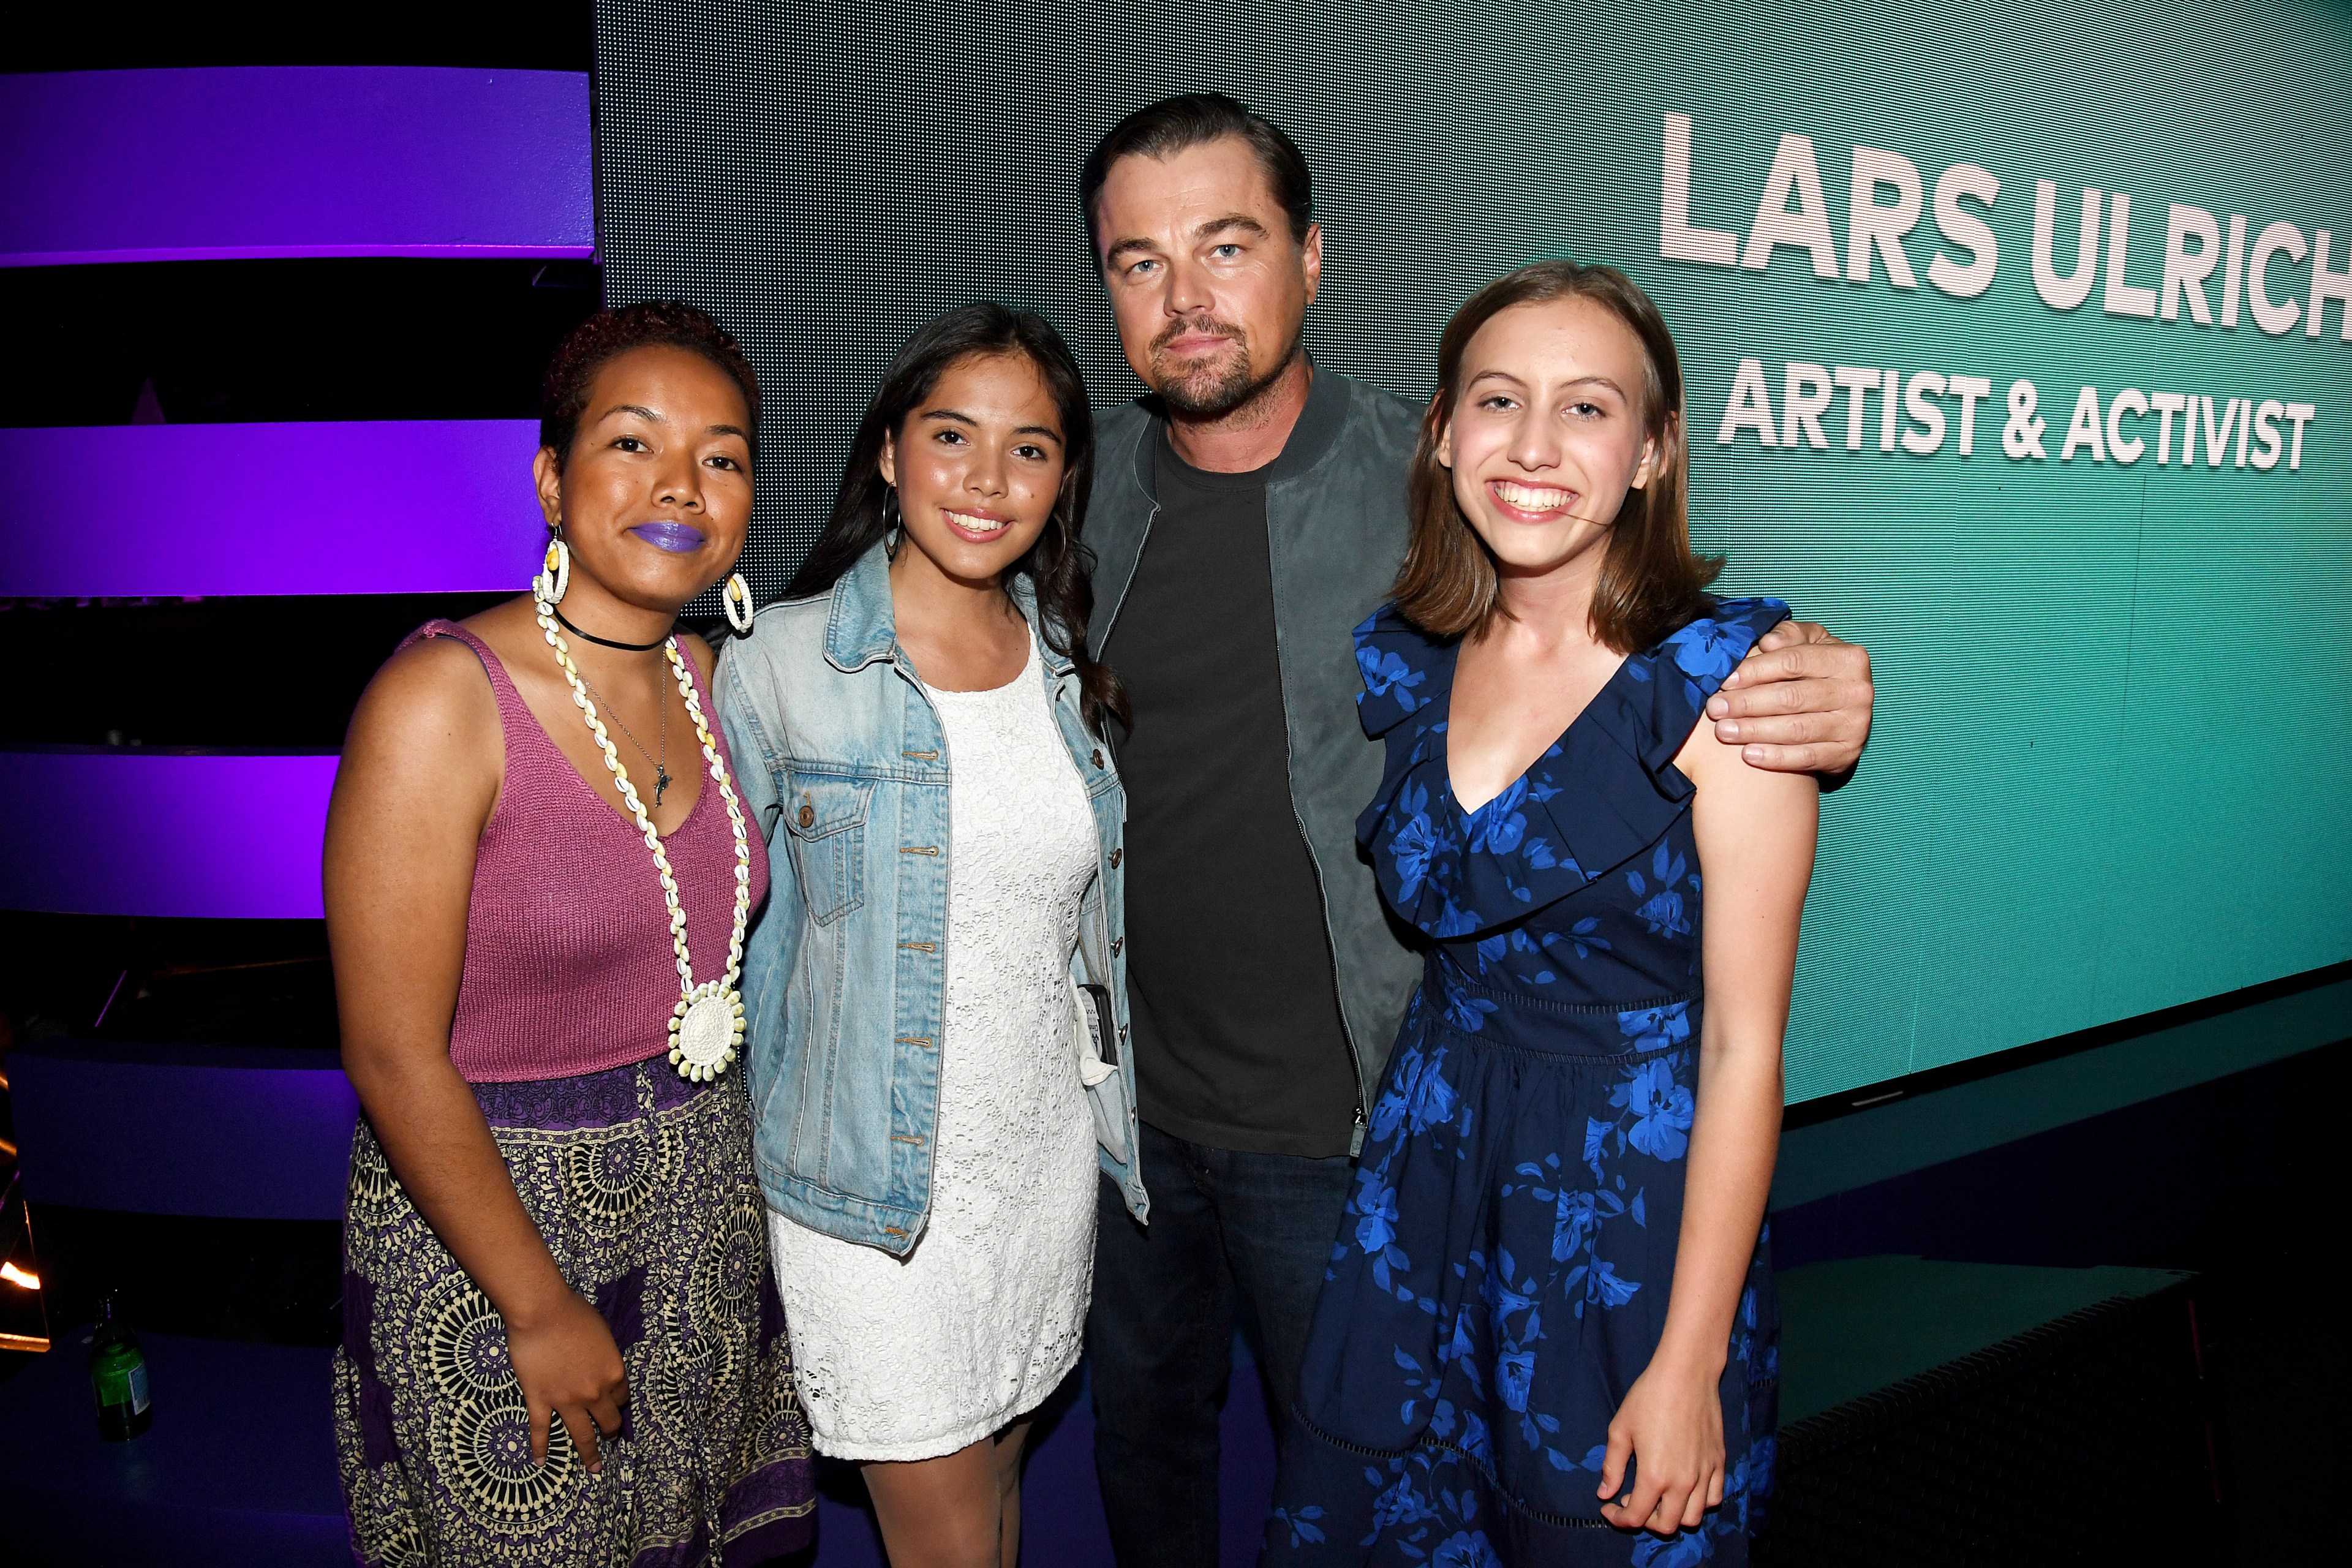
824, 818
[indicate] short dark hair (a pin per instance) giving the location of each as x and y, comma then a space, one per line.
1173, 124
608, 334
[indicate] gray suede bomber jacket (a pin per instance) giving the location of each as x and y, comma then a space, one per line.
1336, 528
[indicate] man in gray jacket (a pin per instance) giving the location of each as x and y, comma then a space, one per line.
1244, 519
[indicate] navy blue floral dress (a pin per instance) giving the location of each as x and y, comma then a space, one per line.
1500, 1278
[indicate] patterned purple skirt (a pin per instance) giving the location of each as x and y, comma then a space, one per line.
641, 1184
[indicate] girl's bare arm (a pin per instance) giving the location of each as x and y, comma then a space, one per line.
1756, 833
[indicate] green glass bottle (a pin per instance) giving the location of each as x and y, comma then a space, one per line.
117, 1371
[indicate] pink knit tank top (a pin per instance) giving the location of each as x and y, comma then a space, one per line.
569, 967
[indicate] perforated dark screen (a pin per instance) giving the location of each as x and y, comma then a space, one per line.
827, 177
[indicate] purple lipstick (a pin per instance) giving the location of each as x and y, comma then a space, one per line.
677, 538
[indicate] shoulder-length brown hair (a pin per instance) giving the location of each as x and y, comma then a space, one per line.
1650, 582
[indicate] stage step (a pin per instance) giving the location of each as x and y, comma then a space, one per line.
1970, 1414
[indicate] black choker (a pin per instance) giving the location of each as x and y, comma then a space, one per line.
608, 642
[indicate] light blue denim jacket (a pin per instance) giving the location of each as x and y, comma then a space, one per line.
842, 762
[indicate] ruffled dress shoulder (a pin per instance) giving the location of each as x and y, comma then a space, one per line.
1601, 793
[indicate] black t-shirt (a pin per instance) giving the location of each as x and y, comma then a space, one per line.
1238, 1037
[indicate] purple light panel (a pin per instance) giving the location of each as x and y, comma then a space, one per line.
180, 166
163, 833
236, 1132
390, 507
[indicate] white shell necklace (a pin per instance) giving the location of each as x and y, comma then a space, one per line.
706, 1031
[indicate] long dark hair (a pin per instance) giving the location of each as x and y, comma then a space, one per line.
1652, 582
1058, 564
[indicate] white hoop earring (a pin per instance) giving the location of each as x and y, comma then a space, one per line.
551, 583
737, 598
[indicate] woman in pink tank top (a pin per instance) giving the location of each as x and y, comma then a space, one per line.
562, 1342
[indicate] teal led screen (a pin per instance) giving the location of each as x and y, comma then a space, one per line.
2020, 350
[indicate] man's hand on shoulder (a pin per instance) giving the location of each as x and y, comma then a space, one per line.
1800, 703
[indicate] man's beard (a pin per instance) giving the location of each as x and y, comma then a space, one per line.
1210, 392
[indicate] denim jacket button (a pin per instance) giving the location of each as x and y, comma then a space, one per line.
1115, 856
1099, 756
808, 816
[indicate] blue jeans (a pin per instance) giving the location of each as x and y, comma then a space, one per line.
1224, 1226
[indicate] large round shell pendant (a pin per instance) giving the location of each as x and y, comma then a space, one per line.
706, 1032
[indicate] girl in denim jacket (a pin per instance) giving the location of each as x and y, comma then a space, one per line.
938, 1057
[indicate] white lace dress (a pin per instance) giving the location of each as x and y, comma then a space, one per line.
913, 1358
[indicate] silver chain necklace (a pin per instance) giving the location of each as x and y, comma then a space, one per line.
662, 781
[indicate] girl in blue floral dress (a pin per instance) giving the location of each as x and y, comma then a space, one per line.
1547, 1335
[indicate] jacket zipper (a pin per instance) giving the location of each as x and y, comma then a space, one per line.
1323, 893
1111, 620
